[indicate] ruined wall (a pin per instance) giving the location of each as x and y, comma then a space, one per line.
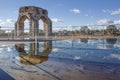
33, 14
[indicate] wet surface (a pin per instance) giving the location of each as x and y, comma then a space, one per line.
88, 59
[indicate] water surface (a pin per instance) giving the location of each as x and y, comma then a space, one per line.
80, 59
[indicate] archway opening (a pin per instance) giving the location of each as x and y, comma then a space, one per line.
26, 28
41, 35
41, 28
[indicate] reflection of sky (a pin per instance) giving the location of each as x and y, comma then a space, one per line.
102, 46
117, 45
55, 49
68, 57
97, 50
7, 54
116, 56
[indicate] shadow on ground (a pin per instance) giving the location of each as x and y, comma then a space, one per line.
5, 76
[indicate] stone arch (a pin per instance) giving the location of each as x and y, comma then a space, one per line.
19, 25
47, 25
33, 14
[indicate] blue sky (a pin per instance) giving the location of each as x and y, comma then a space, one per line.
65, 12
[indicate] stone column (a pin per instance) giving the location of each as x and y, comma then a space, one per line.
34, 48
34, 28
15, 30
48, 28
47, 48
20, 48
20, 30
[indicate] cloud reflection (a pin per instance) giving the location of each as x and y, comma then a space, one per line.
77, 57
117, 45
102, 46
55, 50
116, 56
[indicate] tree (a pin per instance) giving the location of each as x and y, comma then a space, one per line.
111, 40
84, 30
84, 40
111, 29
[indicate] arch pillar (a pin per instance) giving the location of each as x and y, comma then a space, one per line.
34, 28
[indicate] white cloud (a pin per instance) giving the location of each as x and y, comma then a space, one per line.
112, 12
56, 20
2, 22
102, 21
106, 21
115, 12
89, 16
106, 10
117, 22
26, 21
76, 11
9, 21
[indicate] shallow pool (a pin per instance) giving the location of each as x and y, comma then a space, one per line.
80, 59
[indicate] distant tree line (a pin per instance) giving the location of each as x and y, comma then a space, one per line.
84, 30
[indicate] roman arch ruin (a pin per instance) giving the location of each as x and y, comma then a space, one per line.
33, 14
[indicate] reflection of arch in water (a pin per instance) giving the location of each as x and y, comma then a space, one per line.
84, 40
111, 40
34, 56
